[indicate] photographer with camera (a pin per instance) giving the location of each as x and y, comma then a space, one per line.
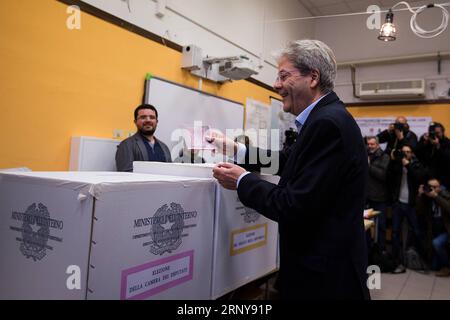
433, 151
433, 203
397, 135
406, 174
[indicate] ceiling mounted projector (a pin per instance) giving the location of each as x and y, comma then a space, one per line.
236, 69
216, 69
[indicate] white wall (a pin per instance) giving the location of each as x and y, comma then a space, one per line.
416, 70
234, 27
352, 40
220, 28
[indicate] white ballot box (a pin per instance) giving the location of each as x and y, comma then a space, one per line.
245, 242
105, 235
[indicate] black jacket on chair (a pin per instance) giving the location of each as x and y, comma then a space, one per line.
319, 205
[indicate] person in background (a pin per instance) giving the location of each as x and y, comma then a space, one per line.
142, 146
319, 200
434, 204
377, 187
397, 135
189, 156
407, 174
433, 150
243, 139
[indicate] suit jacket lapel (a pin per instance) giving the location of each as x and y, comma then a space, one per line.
330, 98
141, 146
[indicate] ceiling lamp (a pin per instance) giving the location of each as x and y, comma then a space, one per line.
388, 30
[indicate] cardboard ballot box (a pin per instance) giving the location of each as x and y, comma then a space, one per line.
245, 242
105, 235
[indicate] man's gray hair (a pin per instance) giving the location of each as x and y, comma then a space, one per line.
372, 138
308, 55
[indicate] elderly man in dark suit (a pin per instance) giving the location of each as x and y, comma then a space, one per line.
142, 146
319, 200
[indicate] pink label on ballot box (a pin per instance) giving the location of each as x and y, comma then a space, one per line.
151, 278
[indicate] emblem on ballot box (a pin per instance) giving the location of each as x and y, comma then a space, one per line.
35, 231
250, 215
167, 227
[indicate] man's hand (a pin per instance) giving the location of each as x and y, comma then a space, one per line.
432, 194
227, 174
405, 162
391, 128
435, 142
421, 190
223, 144
399, 134
426, 138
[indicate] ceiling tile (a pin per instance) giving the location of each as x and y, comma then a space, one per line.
330, 7
324, 3
413, 3
361, 6
315, 12
338, 8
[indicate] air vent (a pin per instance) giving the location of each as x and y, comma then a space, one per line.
396, 89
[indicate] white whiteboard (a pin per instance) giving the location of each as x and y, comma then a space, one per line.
181, 107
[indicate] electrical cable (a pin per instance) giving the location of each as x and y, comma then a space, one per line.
418, 31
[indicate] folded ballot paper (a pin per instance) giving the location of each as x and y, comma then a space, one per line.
194, 138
